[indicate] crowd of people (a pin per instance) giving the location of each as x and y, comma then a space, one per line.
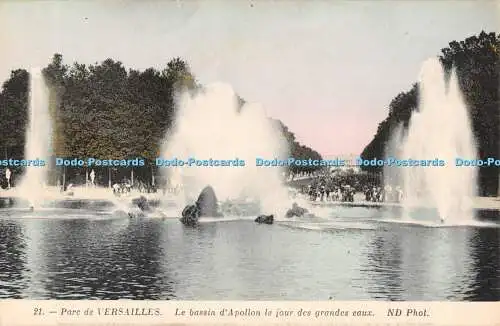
300, 175
324, 192
125, 187
121, 189
330, 187
385, 194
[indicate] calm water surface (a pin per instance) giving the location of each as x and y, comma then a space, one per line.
155, 259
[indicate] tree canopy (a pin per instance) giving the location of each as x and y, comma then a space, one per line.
297, 150
477, 62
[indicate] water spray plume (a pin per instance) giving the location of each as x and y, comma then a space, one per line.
440, 129
211, 124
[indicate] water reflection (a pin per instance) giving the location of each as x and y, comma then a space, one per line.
12, 258
384, 266
485, 246
245, 261
153, 259
71, 259
415, 263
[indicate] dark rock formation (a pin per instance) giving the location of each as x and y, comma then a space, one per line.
190, 215
206, 205
265, 219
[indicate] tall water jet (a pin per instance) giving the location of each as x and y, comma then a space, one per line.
440, 129
212, 125
38, 137
394, 148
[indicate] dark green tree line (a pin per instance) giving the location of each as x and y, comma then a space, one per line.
477, 62
297, 150
14, 98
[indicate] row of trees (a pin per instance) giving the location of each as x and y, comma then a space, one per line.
104, 110
477, 62
298, 150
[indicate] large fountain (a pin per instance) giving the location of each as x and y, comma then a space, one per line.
33, 189
38, 138
211, 125
440, 129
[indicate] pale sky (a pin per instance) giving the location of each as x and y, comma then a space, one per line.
327, 69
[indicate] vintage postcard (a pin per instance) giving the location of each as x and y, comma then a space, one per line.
249, 163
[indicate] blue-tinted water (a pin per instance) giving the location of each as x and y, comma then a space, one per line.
161, 259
